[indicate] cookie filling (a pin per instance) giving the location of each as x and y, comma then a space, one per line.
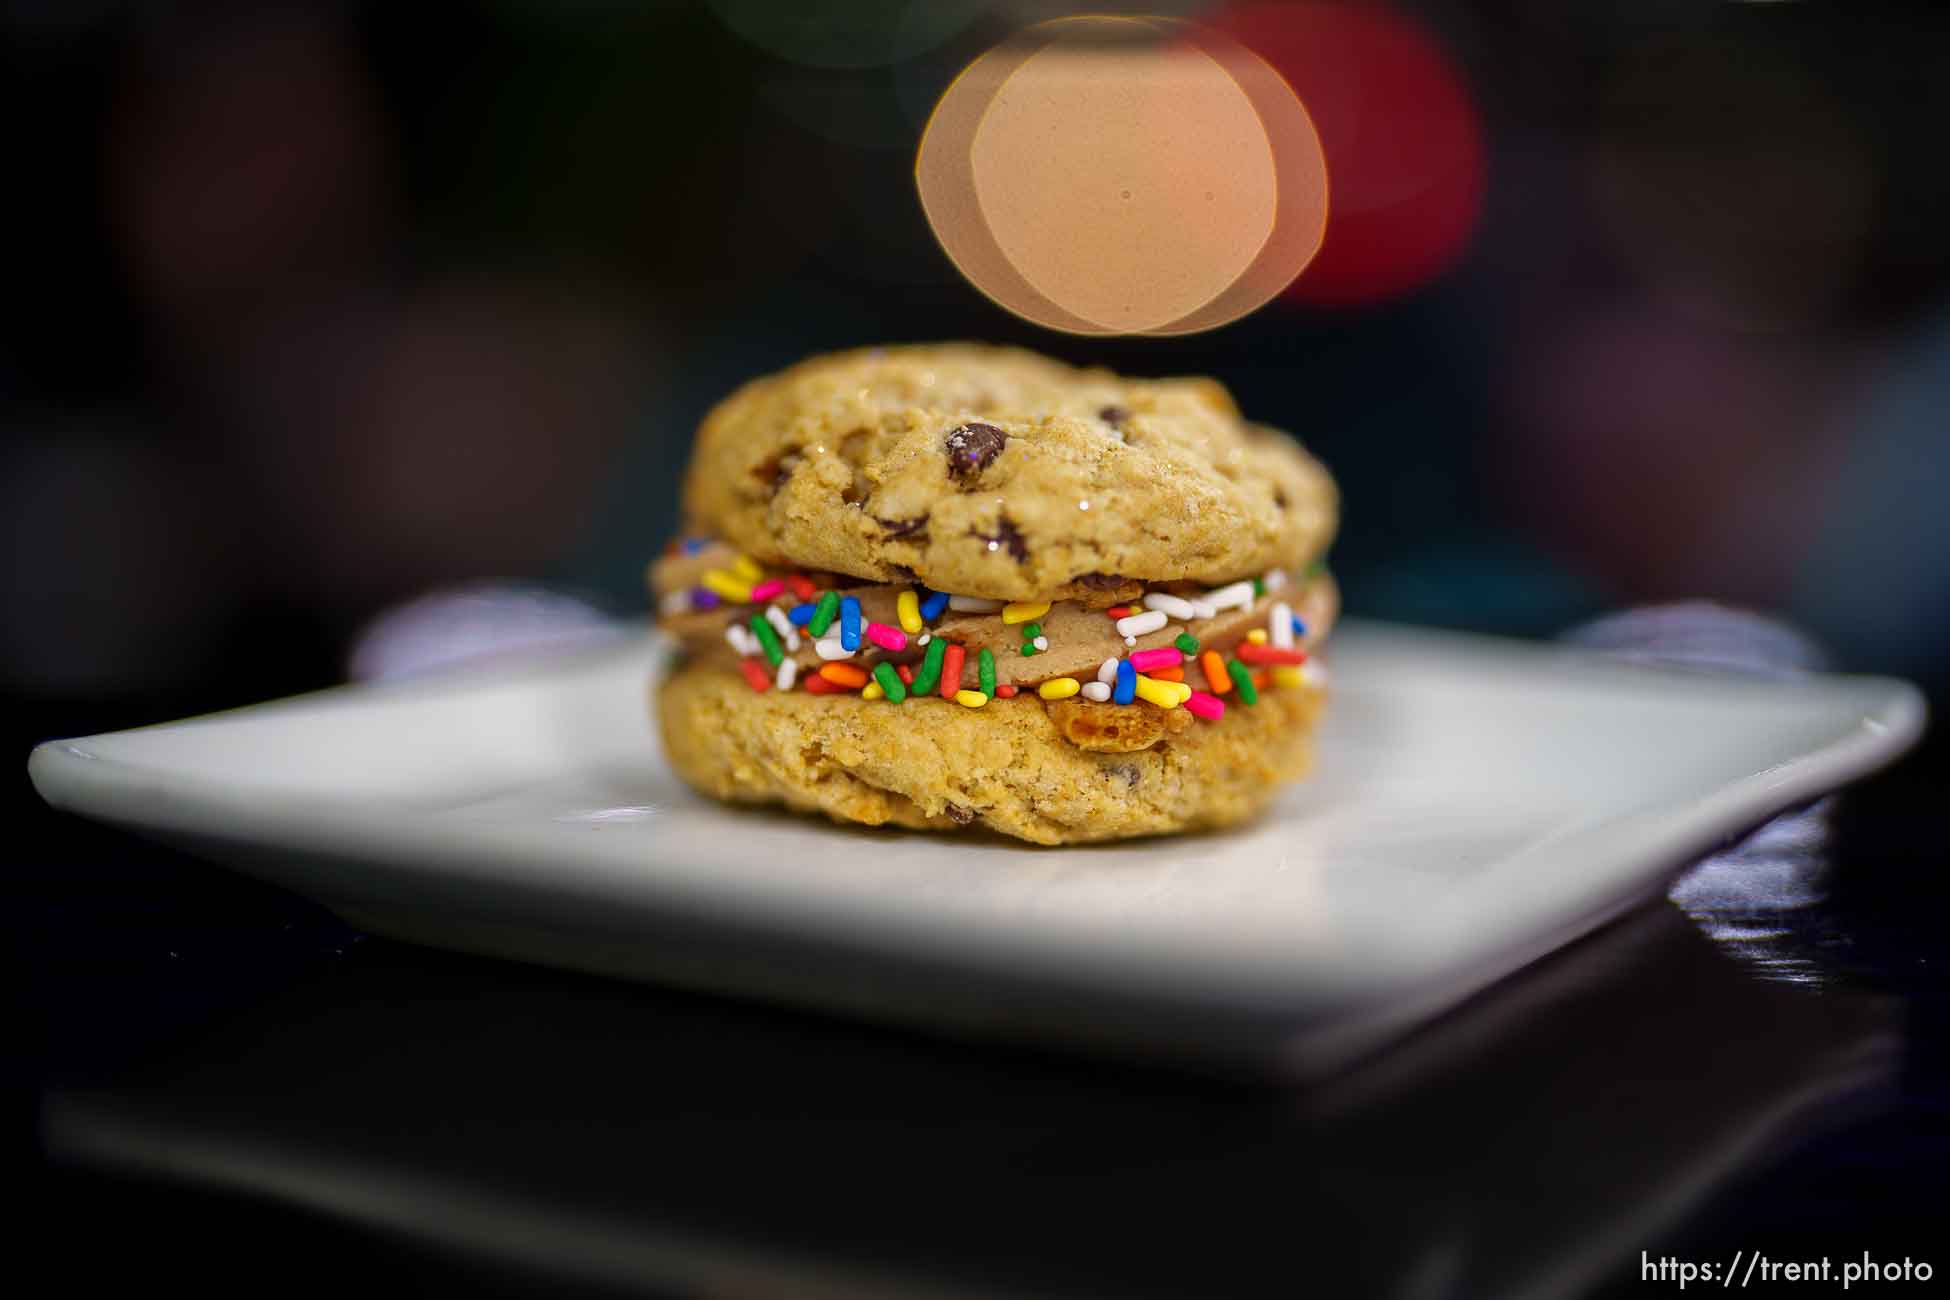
1178, 648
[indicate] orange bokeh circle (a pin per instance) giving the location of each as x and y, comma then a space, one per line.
1107, 175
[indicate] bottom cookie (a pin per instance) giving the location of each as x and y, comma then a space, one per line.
933, 764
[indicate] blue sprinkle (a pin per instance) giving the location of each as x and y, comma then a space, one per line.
692, 545
849, 623
932, 605
1126, 689
801, 614
1299, 626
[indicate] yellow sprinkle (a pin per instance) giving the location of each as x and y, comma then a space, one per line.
747, 568
971, 699
1059, 688
1153, 691
871, 691
1257, 636
738, 593
1024, 611
1289, 676
908, 606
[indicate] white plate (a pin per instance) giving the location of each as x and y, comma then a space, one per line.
1477, 803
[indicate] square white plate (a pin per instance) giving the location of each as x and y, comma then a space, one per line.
1476, 804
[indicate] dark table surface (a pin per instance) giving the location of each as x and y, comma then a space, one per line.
218, 1082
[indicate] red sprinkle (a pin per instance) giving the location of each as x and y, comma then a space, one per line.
755, 674
1005, 692
906, 672
951, 670
1269, 654
802, 586
817, 685
1119, 611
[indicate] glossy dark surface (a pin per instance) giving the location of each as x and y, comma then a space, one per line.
223, 1083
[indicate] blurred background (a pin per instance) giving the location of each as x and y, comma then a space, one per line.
317, 308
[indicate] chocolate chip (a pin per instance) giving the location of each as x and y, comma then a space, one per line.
903, 527
971, 449
1279, 497
1006, 535
1099, 581
775, 473
1114, 416
959, 815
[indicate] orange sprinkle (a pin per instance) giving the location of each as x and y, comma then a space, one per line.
802, 586
1259, 678
1166, 674
1216, 676
1119, 611
843, 675
906, 672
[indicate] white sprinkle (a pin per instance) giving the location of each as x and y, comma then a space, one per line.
1130, 641
1107, 671
1203, 609
925, 638
741, 638
1313, 673
787, 633
1275, 579
1041, 643
788, 674
1235, 595
973, 604
677, 602
1170, 606
1083, 505
829, 647
1097, 691
1136, 625
1279, 624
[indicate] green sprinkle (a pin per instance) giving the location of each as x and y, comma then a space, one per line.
930, 675
1029, 649
890, 681
1187, 644
985, 673
768, 639
824, 613
1030, 631
1259, 587
1242, 681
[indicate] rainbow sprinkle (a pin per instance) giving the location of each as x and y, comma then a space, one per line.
768, 640
930, 675
890, 682
829, 605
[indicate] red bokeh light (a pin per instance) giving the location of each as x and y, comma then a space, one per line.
1404, 145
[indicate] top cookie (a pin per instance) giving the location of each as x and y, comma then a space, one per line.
997, 472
